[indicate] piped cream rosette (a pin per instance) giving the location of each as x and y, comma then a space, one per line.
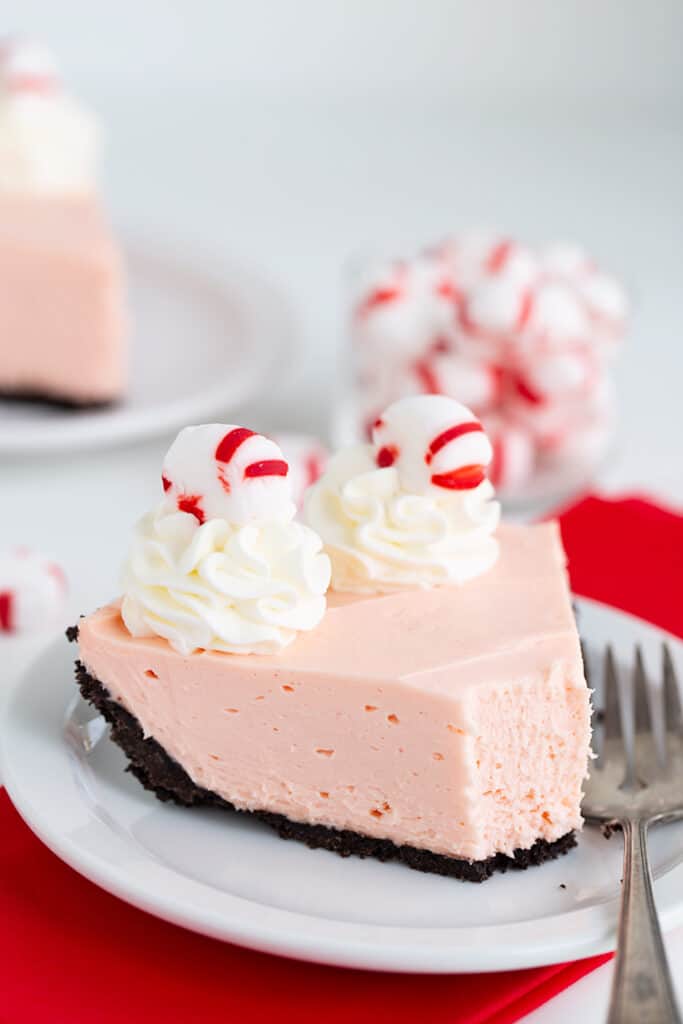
412, 509
220, 563
49, 142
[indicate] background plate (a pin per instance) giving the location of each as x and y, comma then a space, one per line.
202, 343
232, 878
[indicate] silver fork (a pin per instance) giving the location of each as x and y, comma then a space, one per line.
637, 781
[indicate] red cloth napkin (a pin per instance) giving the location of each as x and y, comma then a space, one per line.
70, 952
628, 554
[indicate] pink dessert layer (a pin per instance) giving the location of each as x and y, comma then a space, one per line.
62, 323
454, 719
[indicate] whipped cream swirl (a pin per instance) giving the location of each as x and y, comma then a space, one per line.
381, 537
240, 589
220, 563
49, 142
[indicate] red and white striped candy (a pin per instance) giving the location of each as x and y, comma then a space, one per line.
513, 459
549, 320
473, 382
32, 591
565, 260
481, 253
557, 314
514, 262
583, 442
551, 389
27, 67
307, 458
467, 253
497, 302
546, 375
555, 423
381, 286
400, 316
221, 471
433, 441
605, 298
497, 306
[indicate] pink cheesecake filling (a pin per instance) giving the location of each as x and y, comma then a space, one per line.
62, 324
454, 719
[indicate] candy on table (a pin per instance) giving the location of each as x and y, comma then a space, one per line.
32, 591
307, 458
525, 334
216, 471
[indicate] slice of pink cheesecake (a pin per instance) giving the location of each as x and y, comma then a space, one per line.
62, 329
446, 727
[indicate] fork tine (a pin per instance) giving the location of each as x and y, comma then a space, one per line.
611, 696
585, 657
648, 719
643, 714
613, 748
597, 702
673, 720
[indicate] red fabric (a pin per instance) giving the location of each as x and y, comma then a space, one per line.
70, 952
628, 554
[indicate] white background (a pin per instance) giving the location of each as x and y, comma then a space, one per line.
292, 134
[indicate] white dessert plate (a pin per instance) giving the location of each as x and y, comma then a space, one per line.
203, 342
232, 878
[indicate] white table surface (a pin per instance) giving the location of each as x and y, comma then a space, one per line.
295, 188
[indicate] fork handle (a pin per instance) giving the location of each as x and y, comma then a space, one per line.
642, 992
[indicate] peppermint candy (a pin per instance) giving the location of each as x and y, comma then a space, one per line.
32, 591
220, 471
524, 335
513, 453
403, 310
433, 441
473, 382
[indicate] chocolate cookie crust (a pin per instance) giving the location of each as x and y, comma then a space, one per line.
62, 402
161, 774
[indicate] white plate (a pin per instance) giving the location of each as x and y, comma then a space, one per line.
230, 877
202, 344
